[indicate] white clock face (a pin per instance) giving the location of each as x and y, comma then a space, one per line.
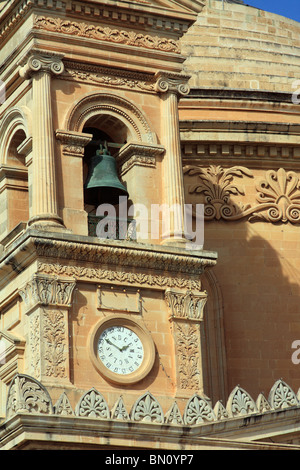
120, 350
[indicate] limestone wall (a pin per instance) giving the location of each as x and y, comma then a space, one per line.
242, 47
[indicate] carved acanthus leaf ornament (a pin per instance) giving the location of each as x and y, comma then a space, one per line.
278, 194
104, 33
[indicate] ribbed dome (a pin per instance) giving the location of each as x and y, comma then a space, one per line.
233, 45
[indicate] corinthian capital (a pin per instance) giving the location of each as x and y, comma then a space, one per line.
41, 61
174, 83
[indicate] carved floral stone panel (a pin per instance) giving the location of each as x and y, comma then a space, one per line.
277, 194
28, 395
105, 33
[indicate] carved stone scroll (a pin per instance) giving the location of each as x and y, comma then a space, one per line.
278, 194
27, 395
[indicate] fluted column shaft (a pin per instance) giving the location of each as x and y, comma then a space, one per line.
170, 89
44, 208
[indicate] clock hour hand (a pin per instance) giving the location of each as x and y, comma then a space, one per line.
125, 347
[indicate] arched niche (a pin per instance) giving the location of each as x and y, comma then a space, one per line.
129, 136
15, 149
111, 113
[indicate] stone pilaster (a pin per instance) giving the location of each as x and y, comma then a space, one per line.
186, 316
171, 87
40, 66
47, 300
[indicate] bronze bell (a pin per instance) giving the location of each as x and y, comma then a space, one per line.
102, 185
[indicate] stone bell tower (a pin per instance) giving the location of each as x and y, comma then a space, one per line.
95, 328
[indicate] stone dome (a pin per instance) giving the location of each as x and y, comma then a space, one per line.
235, 46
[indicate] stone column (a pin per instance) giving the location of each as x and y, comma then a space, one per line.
171, 87
40, 66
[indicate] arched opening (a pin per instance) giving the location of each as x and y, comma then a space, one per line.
13, 157
102, 183
130, 139
14, 197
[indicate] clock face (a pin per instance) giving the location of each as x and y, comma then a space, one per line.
120, 350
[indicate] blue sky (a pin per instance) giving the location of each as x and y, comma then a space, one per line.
288, 8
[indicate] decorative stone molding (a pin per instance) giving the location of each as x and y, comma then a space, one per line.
27, 395
220, 411
63, 406
173, 416
47, 300
41, 61
172, 82
188, 359
47, 290
131, 253
92, 405
186, 305
240, 403
55, 343
147, 409
117, 107
109, 275
198, 411
48, 344
282, 396
73, 143
105, 33
268, 154
119, 411
186, 313
135, 153
164, 22
278, 194
262, 403
103, 76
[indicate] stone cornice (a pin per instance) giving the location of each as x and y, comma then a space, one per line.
242, 423
155, 17
121, 261
235, 94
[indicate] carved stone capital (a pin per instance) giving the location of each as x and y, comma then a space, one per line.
47, 290
41, 61
174, 83
186, 305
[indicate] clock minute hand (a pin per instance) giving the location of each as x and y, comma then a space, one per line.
112, 344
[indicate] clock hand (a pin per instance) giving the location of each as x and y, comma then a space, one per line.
125, 347
112, 344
